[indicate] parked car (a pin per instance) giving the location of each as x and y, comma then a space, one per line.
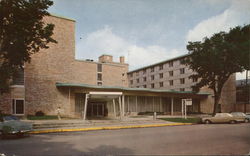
241, 115
248, 116
222, 118
12, 125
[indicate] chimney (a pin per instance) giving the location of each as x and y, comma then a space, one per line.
122, 59
105, 58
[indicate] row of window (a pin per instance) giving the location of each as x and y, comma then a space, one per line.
161, 84
171, 82
171, 73
152, 69
99, 74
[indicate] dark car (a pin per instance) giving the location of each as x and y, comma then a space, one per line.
12, 125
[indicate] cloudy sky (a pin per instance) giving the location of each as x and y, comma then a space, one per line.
147, 31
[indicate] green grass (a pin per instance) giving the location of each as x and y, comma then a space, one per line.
182, 120
45, 117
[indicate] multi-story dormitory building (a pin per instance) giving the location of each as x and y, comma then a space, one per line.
86, 88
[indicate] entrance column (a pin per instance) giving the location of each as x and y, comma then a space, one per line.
85, 106
172, 106
114, 107
120, 107
123, 105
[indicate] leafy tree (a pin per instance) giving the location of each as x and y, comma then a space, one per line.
22, 33
215, 59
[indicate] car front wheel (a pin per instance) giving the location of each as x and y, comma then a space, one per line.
207, 122
246, 120
233, 122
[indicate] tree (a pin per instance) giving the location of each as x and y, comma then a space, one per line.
215, 59
22, 33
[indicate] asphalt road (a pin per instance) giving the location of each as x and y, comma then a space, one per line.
212, 139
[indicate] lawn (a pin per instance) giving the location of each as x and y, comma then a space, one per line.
182, 120
45, 117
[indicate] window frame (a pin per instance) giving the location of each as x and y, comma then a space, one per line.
14, 109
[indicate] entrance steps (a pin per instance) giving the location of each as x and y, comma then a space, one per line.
91, 123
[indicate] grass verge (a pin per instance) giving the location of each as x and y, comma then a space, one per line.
182, 120
45, 117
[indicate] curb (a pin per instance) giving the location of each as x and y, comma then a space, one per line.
106, 128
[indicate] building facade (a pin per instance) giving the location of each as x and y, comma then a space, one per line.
103, 88
172, 74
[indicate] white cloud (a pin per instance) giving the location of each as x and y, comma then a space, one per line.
237, 14
104, 41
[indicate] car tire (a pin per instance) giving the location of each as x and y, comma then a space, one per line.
233, 122
246, 120
207, 121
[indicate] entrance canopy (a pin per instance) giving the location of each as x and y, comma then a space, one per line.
104, 95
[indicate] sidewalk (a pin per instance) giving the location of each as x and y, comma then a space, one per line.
52, 126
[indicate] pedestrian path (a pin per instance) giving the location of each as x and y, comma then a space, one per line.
49, 126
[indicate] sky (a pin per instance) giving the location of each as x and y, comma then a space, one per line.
148, 31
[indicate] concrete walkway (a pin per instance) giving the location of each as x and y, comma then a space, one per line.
49, 126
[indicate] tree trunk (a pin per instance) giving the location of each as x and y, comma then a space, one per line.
247, 93
217, 95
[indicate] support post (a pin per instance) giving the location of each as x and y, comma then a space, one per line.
123, 105
182, 108
172, 106
85, 106
128, 105
69, 96
153, 104
136, 108
161, 104
120, 107
114, 107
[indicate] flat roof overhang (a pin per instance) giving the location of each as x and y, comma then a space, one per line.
133, 91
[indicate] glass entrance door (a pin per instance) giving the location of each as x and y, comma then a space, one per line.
97, 109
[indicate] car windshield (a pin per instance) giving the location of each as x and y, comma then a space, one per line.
238, 114
8, 118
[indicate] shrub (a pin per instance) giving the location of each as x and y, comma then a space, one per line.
39, 113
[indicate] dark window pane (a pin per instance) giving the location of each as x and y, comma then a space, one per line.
19, 107
99, 67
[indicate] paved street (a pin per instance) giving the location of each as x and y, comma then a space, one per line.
195, 139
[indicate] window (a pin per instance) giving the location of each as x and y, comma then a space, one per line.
99, 76
161, 84
18, 79
144, 86
131, 75
171, 73
137, 80
99, 67
144, 78
171, 63
161, 67
182, 80
123, 74
152, 69
161, 75
182, 89
152, 85
17, 106
144, 71
182, 70
137, 73
171, 82
152, 77
99, 83
131, 82
137, 86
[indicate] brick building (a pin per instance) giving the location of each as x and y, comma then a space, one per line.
85, 88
